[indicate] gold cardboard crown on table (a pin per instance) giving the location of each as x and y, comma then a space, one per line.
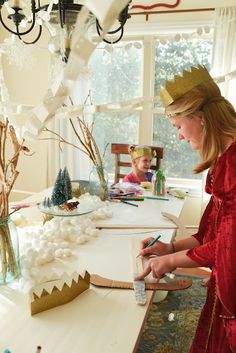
140, 151
53, 293
183, 84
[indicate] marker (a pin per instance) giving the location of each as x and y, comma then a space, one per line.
151, 243
128, 203
129, 198
38, 350
156, 198
123, 201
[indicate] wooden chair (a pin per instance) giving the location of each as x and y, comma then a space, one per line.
119, 149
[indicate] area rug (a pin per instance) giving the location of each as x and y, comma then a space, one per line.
163, 336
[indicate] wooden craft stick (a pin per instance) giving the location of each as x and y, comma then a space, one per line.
140, 226
135, 226
175, 284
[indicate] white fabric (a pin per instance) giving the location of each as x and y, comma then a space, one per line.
53, 153
224, 50
77, 162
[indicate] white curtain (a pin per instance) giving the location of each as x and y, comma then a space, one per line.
77, 163
224, 50
223, 60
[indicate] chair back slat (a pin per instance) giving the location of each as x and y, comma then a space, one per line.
124, 164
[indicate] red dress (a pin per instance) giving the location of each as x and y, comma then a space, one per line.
216, 331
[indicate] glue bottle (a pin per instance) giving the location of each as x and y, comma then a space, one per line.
154, 184
159, 181
160, 186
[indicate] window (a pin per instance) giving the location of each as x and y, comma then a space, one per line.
117, 77
172, 58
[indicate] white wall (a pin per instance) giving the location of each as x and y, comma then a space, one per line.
28, 86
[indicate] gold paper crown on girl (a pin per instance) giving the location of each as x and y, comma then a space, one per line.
175, 89
140, 151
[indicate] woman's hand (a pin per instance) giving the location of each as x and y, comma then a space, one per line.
158, 266
159, 248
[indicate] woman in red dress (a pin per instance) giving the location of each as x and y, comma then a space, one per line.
207, 121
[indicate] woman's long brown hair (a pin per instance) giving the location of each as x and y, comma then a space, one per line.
219, 119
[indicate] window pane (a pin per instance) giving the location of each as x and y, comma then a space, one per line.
117, 128
116, 76
172, 58
179, 158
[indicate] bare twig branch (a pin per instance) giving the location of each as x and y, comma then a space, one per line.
60, 140
105, 149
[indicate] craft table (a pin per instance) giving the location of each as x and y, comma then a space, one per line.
98, 320
148, 215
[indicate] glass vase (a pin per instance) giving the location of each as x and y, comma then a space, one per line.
98, 182
9, 251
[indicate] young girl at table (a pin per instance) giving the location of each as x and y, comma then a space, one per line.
141, 157
207, 121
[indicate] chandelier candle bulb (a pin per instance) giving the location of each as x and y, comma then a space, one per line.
16, 4
67, 43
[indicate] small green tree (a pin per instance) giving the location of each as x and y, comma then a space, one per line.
59, 195
68, 187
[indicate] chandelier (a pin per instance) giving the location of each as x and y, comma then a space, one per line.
62, 13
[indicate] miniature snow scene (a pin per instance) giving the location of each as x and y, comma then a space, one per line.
68, 222
62, 202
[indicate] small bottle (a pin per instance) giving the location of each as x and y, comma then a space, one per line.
163, 185
159, 174
154, 184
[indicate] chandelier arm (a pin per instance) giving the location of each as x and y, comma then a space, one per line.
99, 28
61, 14
17, 33
122, 19
117, 40
36, 39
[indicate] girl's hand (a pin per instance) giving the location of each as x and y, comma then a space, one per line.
159, 248
158, 266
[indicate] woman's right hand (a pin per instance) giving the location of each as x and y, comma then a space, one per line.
159, 248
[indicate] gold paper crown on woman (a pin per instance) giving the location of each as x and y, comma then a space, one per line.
140, 151
175, 89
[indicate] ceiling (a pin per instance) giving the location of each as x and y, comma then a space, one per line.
175, 10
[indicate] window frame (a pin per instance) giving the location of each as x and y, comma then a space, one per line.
147, 110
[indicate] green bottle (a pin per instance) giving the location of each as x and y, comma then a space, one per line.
159, 175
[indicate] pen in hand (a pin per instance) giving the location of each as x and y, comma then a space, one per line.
151, 243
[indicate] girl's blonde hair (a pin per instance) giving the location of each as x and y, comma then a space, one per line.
219, 119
